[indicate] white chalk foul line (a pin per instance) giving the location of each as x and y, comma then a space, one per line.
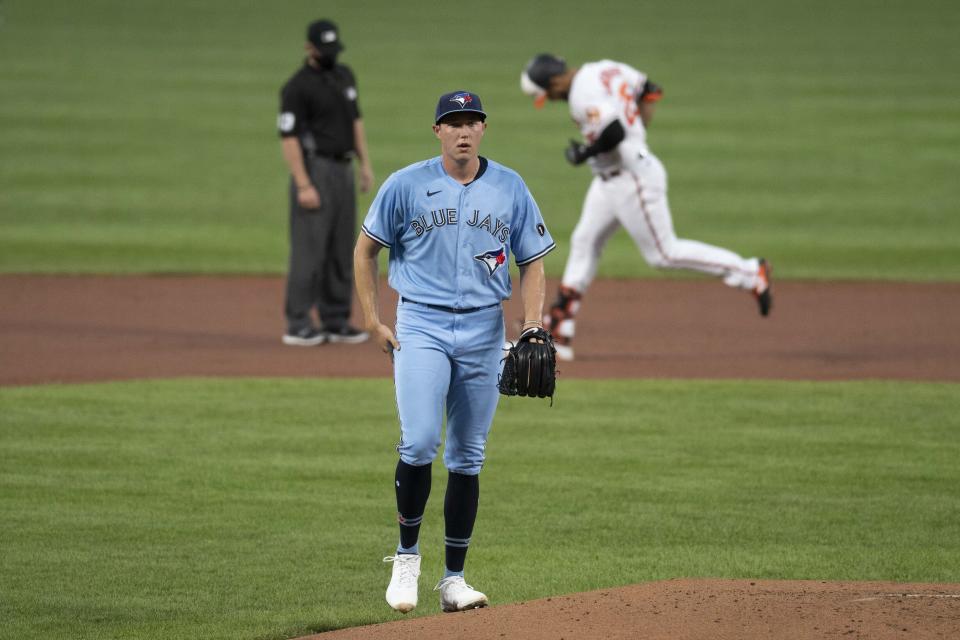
908, 595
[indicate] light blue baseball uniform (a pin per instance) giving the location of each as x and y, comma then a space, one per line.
449, 250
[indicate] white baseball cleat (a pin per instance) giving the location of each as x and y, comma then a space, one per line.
457, 595
564, 352
402, 590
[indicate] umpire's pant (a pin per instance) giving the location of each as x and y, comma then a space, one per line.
321, 247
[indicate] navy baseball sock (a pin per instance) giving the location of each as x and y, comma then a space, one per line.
413, 489
459, 512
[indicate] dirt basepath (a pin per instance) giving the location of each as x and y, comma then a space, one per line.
78, 328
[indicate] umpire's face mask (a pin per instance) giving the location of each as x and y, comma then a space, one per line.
325, 60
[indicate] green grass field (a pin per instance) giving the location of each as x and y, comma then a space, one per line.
261, 509
139, 137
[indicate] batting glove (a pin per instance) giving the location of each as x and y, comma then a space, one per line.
576, 153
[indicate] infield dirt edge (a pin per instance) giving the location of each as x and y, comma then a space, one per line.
699, 608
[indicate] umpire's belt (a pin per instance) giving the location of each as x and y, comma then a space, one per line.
439, 307
333, 157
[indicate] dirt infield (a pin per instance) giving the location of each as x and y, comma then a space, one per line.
78, 329
702, 609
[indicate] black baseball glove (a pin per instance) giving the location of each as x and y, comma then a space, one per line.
530, 366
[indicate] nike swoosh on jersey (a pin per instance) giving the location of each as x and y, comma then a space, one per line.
433, 193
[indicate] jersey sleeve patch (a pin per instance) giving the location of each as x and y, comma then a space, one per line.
286, 121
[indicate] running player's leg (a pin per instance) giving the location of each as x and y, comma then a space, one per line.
645, 213
597, 224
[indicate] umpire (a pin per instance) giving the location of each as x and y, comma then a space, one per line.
321, 132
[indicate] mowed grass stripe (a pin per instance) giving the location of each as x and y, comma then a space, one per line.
821, 136
261, 508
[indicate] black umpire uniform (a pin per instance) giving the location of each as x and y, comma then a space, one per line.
318, 109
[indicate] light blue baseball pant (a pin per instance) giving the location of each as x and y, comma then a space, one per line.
447, 361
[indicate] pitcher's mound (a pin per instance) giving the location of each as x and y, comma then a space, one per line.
702, 609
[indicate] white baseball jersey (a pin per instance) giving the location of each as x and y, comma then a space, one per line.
630, 189
602, 92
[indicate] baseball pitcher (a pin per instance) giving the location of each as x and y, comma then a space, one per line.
451, 224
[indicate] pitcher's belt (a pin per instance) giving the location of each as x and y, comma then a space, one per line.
439, 307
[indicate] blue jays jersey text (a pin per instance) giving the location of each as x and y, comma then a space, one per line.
449, 243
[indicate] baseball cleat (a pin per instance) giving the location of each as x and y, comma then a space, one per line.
564, 352
346, 335
402, 590
457, 595
762, 291
306, 337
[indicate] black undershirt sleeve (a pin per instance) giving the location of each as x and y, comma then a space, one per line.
608, 140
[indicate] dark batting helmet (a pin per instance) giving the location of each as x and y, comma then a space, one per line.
535, 79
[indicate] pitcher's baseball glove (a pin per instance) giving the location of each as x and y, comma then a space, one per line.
530, 366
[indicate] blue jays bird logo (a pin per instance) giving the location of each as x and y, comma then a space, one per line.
463, 99
492, 259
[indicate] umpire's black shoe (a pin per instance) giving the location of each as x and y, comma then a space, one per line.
762, 292
347, 335
306, 337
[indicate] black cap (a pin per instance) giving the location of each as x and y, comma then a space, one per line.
459, 102
323, 34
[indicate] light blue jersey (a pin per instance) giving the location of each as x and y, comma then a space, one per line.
450, 246
450, 243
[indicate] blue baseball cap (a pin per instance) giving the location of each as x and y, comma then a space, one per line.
458, 102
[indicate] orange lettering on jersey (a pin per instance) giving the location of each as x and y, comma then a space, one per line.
630, 108
607, 76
